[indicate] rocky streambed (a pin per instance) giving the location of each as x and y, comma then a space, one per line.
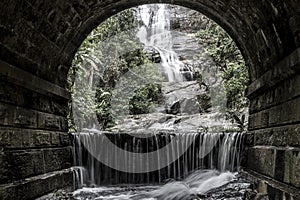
236, 189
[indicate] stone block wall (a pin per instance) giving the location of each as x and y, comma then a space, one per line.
35, 152
38, 40
274, 123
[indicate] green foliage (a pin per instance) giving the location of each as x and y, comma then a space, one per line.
144, 98
102, 48
103, 107
230, 62
112, 75
114, 47
120, 27
241, 122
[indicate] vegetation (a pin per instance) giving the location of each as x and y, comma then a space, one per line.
230, 62
119, 81
112, 46
112, 51
144, 98
225, 54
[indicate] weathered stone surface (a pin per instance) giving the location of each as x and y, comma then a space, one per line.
278, 136
286, 113
37, 185
25, 164
42, 139
259, 120
29, 138
282, 164
22, 79
48, 121
269, 188
17, 116
276, 194
292, 167
285, 91
56, 159
64, 139
52, 122
262, 159
286, 68
4, 172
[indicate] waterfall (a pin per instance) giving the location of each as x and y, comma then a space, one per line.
199, 161
220, 151
155, 33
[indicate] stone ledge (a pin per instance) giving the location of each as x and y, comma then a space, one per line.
286, 68
30, 81
20, 96
37, 186
26, 163
264, 184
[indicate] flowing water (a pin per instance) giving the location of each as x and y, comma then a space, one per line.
195, 186
155, 33
161, 165
217, 152
184, 153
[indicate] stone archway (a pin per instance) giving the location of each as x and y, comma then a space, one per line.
38, 40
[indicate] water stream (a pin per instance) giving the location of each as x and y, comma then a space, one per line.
155, 33
190, 151
209, 161
161, 164
195, 186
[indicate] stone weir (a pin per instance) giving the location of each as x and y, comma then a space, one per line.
105, 158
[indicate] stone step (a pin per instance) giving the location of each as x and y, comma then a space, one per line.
33, 187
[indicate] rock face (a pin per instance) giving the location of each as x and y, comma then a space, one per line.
46, 52
153, 55
186, 107
161, 121
185, 98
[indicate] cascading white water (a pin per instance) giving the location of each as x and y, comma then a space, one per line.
155, 33
198, 183
219, 151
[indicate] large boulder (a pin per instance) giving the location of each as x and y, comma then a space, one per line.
185, 98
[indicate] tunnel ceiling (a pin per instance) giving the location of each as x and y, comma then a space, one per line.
42, 37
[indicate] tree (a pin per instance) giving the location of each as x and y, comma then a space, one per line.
230, 62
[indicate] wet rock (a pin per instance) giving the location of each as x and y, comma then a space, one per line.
187, 75
184, 97
239, 189
161, 121
153, 55
185, 105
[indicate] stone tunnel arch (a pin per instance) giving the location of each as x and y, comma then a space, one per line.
38, 41
98, 18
